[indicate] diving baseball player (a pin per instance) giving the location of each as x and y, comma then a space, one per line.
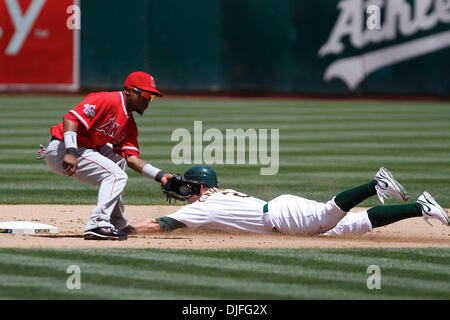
95, 142
211, 207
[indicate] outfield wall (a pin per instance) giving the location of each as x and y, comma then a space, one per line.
260, 46
320, 47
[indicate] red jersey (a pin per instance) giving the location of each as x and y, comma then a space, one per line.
103, 118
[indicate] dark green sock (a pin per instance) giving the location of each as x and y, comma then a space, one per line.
383, 215
351, 198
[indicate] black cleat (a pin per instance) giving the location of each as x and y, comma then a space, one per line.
105, 234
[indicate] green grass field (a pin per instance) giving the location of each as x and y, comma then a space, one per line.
325, 147
225, 274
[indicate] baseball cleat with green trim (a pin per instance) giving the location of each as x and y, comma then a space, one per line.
387, 186
431, 209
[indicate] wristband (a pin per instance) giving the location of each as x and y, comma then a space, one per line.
160, 175
152, 172
72, 151
70, 139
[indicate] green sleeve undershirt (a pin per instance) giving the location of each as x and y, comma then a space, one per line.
169, 224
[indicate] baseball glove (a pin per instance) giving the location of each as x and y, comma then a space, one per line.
180, 189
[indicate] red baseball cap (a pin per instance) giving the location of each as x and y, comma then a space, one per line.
143, 81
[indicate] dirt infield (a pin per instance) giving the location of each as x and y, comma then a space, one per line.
71, 220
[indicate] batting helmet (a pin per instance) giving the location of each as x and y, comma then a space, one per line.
202, 174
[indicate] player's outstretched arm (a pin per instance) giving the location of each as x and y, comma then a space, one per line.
148, 226
161, 224
142, 167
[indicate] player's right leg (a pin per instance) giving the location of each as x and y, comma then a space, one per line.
384, 185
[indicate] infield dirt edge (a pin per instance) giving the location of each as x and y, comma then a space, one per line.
70, 219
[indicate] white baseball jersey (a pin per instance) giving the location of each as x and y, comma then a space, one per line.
224, 209
228, 210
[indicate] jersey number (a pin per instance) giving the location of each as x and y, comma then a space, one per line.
237, 194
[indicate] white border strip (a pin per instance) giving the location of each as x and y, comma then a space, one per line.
25, 227
76, 53
129, 148
123, 104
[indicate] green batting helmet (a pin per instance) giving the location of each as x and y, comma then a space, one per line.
202, 174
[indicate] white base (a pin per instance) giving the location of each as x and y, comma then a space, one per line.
24, 227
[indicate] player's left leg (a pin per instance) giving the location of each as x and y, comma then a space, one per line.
118, 216
384, 185
298, 215
365, 221
384, 215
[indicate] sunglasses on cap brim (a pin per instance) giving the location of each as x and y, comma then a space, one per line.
145, 94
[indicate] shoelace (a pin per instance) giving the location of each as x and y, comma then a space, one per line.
381, 195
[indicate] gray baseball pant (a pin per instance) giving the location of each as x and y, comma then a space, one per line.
105, 169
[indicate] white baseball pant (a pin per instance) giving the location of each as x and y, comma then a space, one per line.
353, 223
296, 215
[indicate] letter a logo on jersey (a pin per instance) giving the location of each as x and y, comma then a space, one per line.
110, 128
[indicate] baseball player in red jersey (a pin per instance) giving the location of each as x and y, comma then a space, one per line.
96, 141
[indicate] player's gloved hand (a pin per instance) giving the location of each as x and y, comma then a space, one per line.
70, 164
165, 178
179, 189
